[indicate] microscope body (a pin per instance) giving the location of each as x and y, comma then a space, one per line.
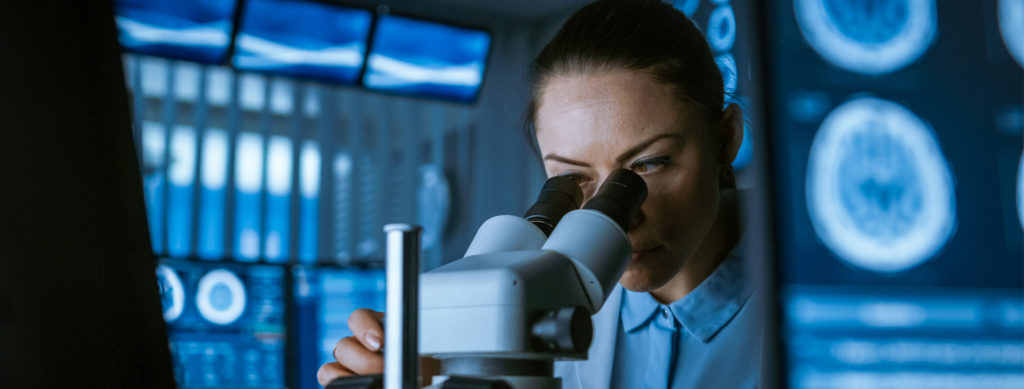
513, 306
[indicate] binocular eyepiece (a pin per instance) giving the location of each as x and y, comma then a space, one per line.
619, 197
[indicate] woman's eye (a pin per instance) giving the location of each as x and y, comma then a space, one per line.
648, 164
576, 177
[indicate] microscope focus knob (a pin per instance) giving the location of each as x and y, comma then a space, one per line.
567, 330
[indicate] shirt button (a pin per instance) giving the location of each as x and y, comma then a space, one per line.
664, 312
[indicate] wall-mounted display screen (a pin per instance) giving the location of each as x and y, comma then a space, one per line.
899, 248
195, 30
417, 57
226, 323
303, 39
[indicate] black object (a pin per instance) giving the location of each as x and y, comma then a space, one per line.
559, 196
79, 304
564, 330
375, 381
620, 197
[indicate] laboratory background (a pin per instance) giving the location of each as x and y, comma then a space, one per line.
881, 171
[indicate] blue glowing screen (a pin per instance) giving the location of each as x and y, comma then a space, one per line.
424, 58
899, 250
226, 323
868, 36
303, 39
324, 300
196, 30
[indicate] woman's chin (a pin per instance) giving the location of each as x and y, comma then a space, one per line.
640, 278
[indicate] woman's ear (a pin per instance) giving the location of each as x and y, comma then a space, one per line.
730, 132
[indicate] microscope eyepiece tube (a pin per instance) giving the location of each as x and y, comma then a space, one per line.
559, 196
620, 197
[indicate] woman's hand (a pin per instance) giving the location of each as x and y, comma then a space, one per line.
359, 354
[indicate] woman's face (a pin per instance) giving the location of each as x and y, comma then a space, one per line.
589, 125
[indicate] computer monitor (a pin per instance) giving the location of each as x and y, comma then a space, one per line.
226, 323
303, 39
195, 30
895, 147
78, 299
423, 58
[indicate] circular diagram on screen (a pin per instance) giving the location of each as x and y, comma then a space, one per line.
1011, 27
172, 293
722, 28
868, 36
879, 190
220, 297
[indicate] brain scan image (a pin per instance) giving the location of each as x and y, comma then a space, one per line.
879, 190
1011, 27
868, 36
172, 293
220, 297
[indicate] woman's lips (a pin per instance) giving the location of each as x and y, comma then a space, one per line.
639, 255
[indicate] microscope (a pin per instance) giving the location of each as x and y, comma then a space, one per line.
522, 296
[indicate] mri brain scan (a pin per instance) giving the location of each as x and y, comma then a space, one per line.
879, 190
868, 36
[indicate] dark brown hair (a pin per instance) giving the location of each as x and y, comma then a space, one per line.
645, 35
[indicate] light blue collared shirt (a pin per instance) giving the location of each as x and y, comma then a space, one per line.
709, 339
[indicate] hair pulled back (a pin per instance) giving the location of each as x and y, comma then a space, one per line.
644, 35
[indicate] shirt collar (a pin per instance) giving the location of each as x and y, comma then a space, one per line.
704, 311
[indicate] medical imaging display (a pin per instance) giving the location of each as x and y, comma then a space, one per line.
195, 30
879, 191
418, 57
226, 323
899, 243
303, 39
868, 36
324, 298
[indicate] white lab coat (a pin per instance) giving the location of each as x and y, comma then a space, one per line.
596, 371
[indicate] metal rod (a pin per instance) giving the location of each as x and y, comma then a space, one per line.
401, 355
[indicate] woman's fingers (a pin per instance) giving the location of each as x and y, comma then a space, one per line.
331, 371
365, 326
351, 354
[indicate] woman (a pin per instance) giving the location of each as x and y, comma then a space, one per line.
632, 84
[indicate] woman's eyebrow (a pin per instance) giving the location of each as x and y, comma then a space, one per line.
558, 158
643, 145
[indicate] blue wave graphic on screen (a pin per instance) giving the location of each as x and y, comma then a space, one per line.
417, 57
303, 39
190, 30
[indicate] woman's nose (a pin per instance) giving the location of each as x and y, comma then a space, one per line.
636, 219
